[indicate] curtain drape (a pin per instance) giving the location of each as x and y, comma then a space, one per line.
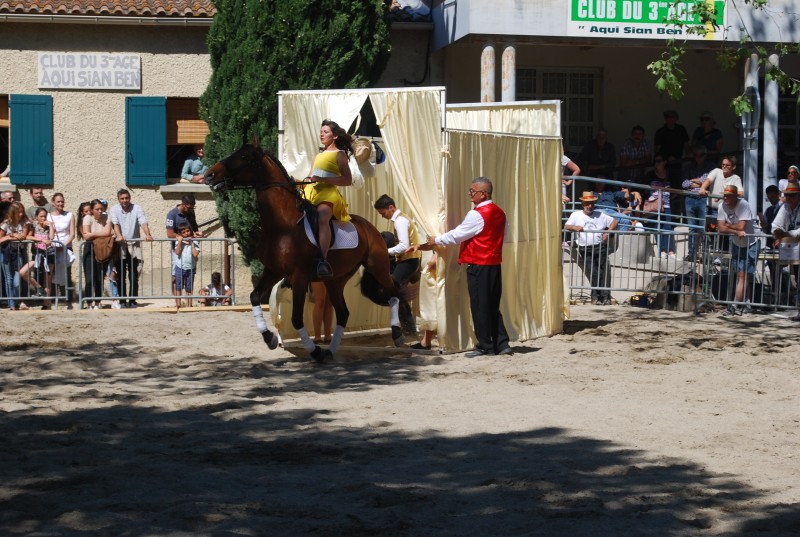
526, 175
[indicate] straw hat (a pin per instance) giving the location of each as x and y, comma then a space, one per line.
588, 196
792, 187
732, 190
362, 149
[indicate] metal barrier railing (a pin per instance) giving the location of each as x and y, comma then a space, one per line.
145, 270
33, 272
719, 273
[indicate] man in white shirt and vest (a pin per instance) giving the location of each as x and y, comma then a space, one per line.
481, 237
407, 258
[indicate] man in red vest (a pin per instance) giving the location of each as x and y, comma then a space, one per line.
481, 238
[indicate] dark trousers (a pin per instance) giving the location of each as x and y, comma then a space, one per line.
485, 287
128, 273
93, 272
401, 274
594, 261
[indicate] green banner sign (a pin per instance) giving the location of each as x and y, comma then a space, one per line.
642, 19
640, 11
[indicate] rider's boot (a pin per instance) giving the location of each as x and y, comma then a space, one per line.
324, 270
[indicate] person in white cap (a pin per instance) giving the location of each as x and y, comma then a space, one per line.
786, 226
589, 225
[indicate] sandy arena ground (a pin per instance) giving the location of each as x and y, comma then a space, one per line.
631, 422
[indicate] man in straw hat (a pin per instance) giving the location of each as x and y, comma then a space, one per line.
593, 245
735, 217
786, 226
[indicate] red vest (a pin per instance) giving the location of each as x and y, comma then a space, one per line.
486, 248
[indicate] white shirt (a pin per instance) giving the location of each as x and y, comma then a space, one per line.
471, 226
788, 221
594, 222
401, 225
128, 222
719, 182
742, 211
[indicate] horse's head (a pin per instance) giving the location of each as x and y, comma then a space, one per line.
242, 169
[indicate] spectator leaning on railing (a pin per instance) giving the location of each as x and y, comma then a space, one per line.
129, 221
735, 217
786, 226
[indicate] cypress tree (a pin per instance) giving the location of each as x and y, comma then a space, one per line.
260, 47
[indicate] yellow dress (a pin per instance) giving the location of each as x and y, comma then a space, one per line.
326, 165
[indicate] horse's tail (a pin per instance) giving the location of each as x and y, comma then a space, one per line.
373, 290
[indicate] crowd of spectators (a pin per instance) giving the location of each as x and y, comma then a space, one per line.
40, 241
677, 176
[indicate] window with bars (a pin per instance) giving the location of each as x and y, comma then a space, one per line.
579, 92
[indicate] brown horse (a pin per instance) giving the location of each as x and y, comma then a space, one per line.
287, 253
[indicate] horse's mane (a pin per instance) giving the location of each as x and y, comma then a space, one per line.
273, 158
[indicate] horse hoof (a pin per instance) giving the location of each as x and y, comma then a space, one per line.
318, 355
397, 336
270, 339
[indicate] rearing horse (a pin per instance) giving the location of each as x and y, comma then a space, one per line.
287, 253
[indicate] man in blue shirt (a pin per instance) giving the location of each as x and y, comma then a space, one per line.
193, 168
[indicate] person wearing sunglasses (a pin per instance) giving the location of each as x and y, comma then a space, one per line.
481, 237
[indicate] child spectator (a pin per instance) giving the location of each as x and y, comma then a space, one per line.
43, 257
216, 293
186, 253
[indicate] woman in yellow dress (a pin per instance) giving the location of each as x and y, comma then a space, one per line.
330, 170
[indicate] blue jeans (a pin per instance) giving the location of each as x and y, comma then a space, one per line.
696, 210
666, 242
623, 219
11, 262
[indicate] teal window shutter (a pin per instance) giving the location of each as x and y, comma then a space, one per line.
31, 138
145, 141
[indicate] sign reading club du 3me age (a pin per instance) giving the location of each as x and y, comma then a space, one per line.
641, 19
67, 70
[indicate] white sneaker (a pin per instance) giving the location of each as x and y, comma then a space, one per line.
115, 305
95, 307
670, 256
663, 255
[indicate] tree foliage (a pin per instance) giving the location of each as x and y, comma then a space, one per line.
260, 47
670, 77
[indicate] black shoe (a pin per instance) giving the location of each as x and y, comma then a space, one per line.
324, 270
505, 351
475, 353
420, 346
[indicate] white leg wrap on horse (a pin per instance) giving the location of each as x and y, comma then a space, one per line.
336, 338
258, 315
307, 342
394, 311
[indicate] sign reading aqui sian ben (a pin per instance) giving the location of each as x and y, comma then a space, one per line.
74, 70
640, 19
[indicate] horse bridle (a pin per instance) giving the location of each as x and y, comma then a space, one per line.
258, 163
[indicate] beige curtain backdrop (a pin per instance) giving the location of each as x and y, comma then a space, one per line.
411, 124
524, 173
302, 115
538, 118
